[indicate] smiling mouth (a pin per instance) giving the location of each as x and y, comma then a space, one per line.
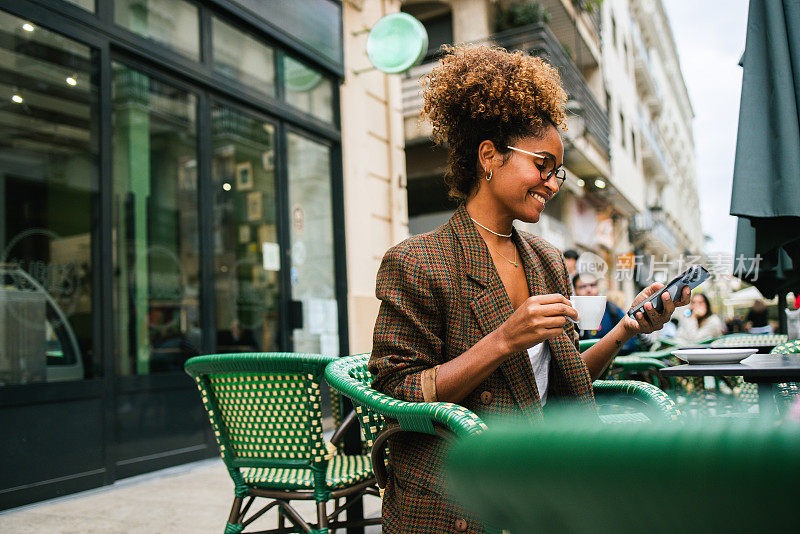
538, 197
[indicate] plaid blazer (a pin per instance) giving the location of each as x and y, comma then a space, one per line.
440, 294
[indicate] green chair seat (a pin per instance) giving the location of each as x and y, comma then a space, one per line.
342, 471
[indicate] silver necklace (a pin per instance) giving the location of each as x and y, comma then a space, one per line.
489, 229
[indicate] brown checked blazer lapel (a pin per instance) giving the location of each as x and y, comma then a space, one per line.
491, 307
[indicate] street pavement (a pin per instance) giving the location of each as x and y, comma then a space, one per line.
193, 498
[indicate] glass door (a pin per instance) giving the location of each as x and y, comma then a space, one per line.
312, 274
155, 228
246, 250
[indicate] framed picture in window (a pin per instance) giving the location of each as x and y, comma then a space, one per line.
244, 176
254, 206
268, 160
244, 233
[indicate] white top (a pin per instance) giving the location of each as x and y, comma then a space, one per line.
690, 332
540, 361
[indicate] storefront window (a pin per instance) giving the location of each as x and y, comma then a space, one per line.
242, 57
315, 23
246, 252
156, 256
171, 23
312, 254
88, 5
307, 89
48, 186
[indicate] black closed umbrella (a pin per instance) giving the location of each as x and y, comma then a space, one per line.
766, 176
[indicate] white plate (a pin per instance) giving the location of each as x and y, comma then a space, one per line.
705, 356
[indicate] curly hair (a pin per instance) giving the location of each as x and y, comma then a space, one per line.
482, 93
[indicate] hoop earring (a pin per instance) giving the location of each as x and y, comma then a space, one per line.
489, 177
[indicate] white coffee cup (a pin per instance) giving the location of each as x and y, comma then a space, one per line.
590, 310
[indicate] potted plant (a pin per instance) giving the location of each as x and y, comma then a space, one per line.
517, 14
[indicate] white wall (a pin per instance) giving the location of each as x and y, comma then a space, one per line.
376, 216
620, 82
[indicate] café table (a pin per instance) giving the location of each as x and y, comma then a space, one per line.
765, 370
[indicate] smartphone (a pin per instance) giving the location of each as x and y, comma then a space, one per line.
692, 277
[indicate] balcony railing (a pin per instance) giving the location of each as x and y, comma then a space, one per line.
536, 40
643, 67
653, 223
654, 158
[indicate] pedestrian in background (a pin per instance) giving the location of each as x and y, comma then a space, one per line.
587, 284
757, 321
701, 323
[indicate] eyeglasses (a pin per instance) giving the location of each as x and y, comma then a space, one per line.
546, 169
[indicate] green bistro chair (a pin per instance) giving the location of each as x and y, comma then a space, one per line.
632, 401
265, 412
788, 347
618, 402
642, 366
638, 367
785, 392
747, 392
350, 376
749, 340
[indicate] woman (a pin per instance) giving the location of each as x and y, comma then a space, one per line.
701, 324
476, 312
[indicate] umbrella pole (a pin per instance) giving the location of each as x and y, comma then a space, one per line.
782, 325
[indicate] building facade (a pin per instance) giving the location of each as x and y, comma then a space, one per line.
376, 215
652, 141
171, 179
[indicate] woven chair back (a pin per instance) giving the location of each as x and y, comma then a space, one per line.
790, 347
371, 422
265, 408
752, 340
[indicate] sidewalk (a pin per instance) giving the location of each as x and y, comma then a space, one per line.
193, 498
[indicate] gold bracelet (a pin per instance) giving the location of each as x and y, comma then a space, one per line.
428, 382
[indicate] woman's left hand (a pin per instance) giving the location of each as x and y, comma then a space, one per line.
651, 320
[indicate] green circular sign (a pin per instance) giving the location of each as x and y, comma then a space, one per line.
396, 43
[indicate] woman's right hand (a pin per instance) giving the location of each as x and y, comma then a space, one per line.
539, 318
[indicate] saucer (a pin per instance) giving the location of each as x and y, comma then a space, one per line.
709, 356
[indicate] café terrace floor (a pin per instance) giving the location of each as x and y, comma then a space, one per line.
193, 498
